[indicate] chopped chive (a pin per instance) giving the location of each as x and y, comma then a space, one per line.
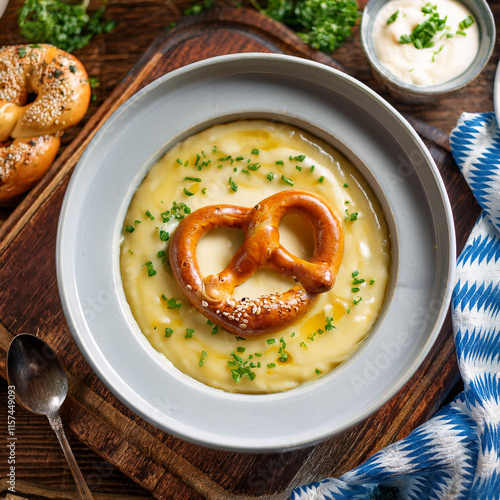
225, 158
215, 329
357, 301
168, 332
162, 255
179, 161
317, 371
353, 216
148, 214
189, 333
303, 344
292, 334
194, 179
204, 355
233, 184
241, 349
393, 17
355, 273
254, 166
312, 168
321, 179
279, 162
357, 281
270, 176
461, 33
130, 229
372, 281
239, 158
187, 192
298, 168
271, 365
204, 191
239, 338
270, 341
355, 290
150, 268
286, 180
346, 185
255, 151
258, 354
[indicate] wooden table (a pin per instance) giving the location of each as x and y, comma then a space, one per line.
109, 58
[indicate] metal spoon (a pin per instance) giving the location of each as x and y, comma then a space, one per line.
41, 387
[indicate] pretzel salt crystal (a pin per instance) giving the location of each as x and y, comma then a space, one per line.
212, 295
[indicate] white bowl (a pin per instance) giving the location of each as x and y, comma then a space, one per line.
337, 109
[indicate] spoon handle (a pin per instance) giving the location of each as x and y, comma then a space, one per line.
56, 424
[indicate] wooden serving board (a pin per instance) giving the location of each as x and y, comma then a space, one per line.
162, 464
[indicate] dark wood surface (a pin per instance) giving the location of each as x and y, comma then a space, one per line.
161, 464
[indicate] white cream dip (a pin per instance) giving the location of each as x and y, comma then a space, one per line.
451, 54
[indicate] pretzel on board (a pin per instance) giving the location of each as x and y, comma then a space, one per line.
29, 131
213, 295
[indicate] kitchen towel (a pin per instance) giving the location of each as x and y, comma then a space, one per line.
456, 454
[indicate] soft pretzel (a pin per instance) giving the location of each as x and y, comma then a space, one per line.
212, 295
59, 81
23, 162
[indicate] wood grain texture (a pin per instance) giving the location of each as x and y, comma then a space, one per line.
163, 465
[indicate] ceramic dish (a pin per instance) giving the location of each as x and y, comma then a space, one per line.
496, 94
414, 93
335, 108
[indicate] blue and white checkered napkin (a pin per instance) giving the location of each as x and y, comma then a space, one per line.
455, 455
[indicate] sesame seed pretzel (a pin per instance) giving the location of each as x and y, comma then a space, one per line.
30, 132
213, 295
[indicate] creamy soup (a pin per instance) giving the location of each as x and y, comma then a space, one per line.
241, 163
425, 43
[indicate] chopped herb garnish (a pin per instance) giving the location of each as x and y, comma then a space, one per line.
346, 185
187, 192
303, 344
241, 349
204, 191
255, 151
162, 255
179, 161
258, 354
194, 179
214, 149
233, 184
130, 229
372, 281
355, 290
354, 216
279, 162
298, 168
21, 51
168, 332
215, 329
466, 23
239, 338
254, 166
286, 180
204, 355
321, 179
240, 368
225, 158
239, 158
312, 168
164, 236
150, 268
356, 301
461, 33
358, 281
271, 365
422, 34
270, 341
393, 17
329, 325
355, 273
189, 333
172, 303
270, 176
148, 214
292, 334
317, 371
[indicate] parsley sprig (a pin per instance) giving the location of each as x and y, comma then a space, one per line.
323, 24
64, 25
